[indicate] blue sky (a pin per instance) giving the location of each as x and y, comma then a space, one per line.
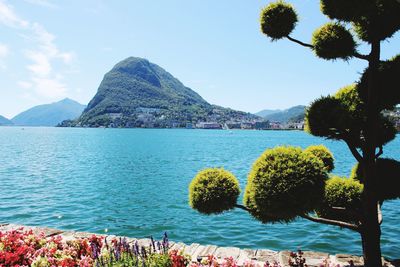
50, 50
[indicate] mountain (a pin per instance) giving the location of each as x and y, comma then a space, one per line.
138, 93
49, 114
4, 121
267, 112
295, 113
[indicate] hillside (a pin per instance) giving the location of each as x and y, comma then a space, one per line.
4, 121
138, 93
266, 112
295, 113
49, 114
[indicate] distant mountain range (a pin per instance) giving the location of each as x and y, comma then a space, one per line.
49, 114
293, 114
138, 93
266, 112
4, 121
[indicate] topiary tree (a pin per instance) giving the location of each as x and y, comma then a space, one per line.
283, 183
324, 154
353, 115
213, 190
345, 195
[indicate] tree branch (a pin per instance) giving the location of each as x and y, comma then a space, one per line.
352, 213
380, 217
332, 222
379, 153
241, 207
355, 54
361, 56
300, 42
353, 150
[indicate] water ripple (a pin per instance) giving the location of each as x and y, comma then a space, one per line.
134, 182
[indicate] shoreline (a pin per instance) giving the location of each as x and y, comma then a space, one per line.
176, 128
195, 250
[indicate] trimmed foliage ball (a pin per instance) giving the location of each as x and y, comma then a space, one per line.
323, 153
346, 10
333, 41
379, 22
386, 130
356, 121
278, 20
388, 81
388, 171
285, 182
213, 191
326, 117
344, 116
344, 193
351, 99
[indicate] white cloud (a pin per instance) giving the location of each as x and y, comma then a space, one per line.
51, 88
24, 84
4, 51
43, 3
9, 18
45, 77
46, 82
41, 64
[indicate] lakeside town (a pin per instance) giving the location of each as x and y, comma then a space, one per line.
148, 119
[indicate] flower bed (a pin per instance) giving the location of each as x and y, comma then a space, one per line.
19, 248
24, 248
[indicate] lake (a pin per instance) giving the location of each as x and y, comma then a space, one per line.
134, 182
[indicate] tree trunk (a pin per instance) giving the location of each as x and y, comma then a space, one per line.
370, 236
371, 231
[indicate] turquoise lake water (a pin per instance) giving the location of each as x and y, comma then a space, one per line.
134, 182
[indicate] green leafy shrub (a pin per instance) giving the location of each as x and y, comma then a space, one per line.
326, 117
284, 183
379, 21
278, 20
343, 193
388, 170
213, 191
346, 10
343, 116
323, 153
388, 80
350, 98
332, 41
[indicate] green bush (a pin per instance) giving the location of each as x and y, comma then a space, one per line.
343, 116
285, 182
323, 153
388, 80
380, 21
326, 117
213, 191
346, 10
349, 97
332, 41
344, 193
388, 185
356, 121
278, 20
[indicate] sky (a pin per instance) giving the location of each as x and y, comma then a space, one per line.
50, 50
